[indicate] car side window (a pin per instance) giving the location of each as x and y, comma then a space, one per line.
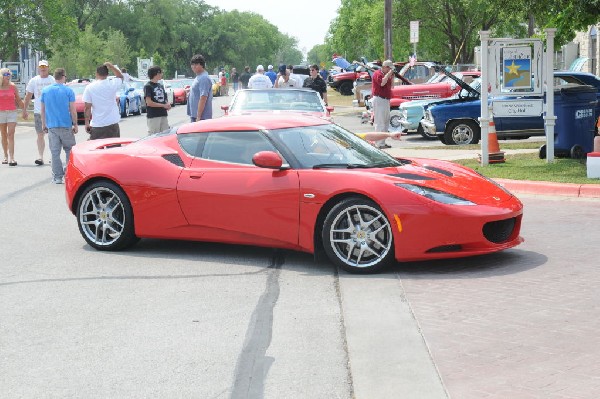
235, 147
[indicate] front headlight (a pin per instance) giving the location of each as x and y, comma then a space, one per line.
435, 195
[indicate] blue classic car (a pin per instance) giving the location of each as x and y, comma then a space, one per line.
410, 113
456, 121
129, 101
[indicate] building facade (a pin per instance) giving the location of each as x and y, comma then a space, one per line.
589, 49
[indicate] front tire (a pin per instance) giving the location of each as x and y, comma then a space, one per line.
357, 236
462, 132
105, 217
345, 88
125, 109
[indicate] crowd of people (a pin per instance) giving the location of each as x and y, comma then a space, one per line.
54, 111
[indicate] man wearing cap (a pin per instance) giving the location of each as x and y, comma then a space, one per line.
271, 74
34, 89
259, 80
381, 89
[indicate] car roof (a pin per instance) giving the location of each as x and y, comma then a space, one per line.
251, 123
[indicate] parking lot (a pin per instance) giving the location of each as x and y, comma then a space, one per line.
201, 320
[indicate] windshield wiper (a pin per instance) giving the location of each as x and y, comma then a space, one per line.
339, 165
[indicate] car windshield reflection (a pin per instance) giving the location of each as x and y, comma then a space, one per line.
277, 100
330, 146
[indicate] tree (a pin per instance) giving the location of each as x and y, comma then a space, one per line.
35, 23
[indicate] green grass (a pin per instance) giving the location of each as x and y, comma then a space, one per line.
503, 146
531, 167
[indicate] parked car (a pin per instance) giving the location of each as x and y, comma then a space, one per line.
138, 85
78, 88
409, 114
179, 92
456, 121
129, 101
216, 87
289, 100
343, 82
287, 181
169, 91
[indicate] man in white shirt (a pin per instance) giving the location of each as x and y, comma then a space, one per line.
34, 89
100, 99
259, 80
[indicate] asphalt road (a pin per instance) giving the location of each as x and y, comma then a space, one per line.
198, 320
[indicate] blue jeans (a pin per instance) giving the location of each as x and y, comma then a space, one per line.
192, 119
60, 138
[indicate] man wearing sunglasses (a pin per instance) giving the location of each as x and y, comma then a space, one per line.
34, 89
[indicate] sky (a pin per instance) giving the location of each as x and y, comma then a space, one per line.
308, 22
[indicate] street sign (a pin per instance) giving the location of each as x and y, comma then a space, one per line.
520, 107
414, 31
143, 65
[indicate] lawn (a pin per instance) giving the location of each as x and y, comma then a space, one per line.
531, 167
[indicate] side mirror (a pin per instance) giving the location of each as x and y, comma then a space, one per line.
329, 109
130, 89
225, 108
267, 159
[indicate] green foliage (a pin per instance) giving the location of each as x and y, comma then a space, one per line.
34, 23
531, 167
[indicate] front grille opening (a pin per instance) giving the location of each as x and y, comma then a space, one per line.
116, 145
499, 231
445, 248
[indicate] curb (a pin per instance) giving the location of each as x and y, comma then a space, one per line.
549, 188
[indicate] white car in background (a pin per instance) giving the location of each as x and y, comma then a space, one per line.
170, 93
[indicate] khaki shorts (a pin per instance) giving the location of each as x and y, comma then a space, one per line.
37, 118
157, 125
8, 116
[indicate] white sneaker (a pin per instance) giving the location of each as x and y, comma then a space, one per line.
57, 180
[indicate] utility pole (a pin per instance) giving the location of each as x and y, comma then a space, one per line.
387, 30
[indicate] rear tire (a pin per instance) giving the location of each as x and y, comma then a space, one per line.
105, 217
125, 113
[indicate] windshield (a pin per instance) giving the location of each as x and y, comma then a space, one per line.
78, 89
330, 146
177, 84
475, 84
277, 99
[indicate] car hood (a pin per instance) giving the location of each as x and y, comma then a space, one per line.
448, 177
460, 82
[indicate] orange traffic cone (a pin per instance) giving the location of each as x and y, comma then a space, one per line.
494, 153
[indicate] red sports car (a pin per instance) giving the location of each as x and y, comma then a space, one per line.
78, 88
179, 93
287, 181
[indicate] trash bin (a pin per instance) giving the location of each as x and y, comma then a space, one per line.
574, 107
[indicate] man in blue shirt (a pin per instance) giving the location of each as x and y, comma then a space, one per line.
199, 105
59, 120
271, 74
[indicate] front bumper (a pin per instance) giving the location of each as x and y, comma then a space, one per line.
429, 127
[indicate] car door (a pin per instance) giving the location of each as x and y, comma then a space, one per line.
227, 198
